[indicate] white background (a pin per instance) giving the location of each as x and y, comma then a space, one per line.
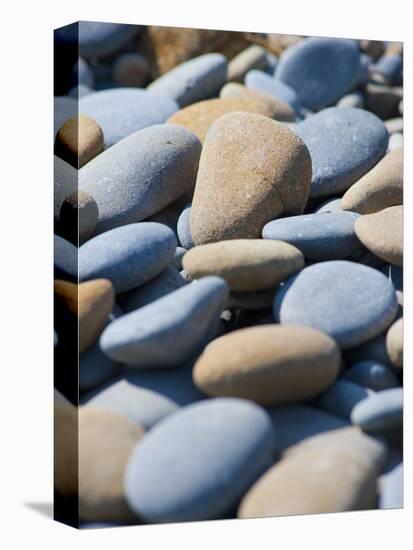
26, 273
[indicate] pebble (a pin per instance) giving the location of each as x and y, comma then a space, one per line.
184, 228
83, 73
380, 412
380, 188
243, 182
130, 69
330, 205
65, 424
262, 82
177, 259
306, 481
321, 70
253, 57
344, 144
325, 236
395, 142
350, 302
128, 256
98, 40
387, 69
194, 80
382, 234
391, 489
142, 174
122, 111
65, 259
195, 466
394, 343
270, 364
394, 125
354, 100
341, 398
78, 217
96, 299
374, 48
64, 108
65, 184
245, 264
165, 333
101, 495
371, 374
79, 140
383, 100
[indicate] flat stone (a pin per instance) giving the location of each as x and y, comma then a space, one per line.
65, 259
253, 57
341, 398
65, 184
131, 69
102, 462
197, 463
196, 79
101, 39
142, 174
243, 182
184, 228
380, 188
321, 70
394, 343
78, 217
168, 331
96, 299
380, 412
122, 111
382, 234
262, 82
350, 302
128, 256
344, 144
245, 264
371, 374
320, 236
79, 140
270, 364
391, 489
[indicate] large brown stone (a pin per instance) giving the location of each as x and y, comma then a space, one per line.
252, 170
269, 364
79, 140
96, 301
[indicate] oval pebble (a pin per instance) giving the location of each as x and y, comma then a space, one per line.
197, 463
96, 299
65, 259
371, 374
79, 140
341, 398
184, 228
394, 343
78, 217
391, 489
354, 99
64, 108
65, 184
350, 302
253, 57
262, 82
380, 412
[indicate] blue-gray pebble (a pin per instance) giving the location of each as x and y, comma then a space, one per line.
177, 259
391, 489
371, 374
184, 229
65, 259
98, 39
262, 82
330, 205
380, 412
341, 398
197, 463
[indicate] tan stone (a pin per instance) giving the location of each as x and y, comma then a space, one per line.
106, 440
253, 57
78, 217
252, 170
268, 364
380, 188
67, 293
65, 456
382, 234
79, 140
394, 343
245, 264
96, 301
276, 43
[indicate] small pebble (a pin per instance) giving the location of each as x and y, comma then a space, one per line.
371, 374
184, 228
394, 343
341, 398
177, 259
262, 82
391, 489
79, 140
354, 100
78, 217
380, 412
253, 57
395, 142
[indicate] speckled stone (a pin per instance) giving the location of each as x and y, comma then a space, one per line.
380, 188
341, 398
102, 462
394, 343
380, 412
371, 374
199, 78
243, 182
79, 140
184, 228
128, 256
65, 184
130, 69
344, 144
197, 463
325, 236
78, 217
262, 82
98, 39
245, 264
350, 302
96, 299
65, 259
391, 489
306, 481
166, 332
321, 70
382, 234
270, 364
142, 174
330, 205
253, 57
122, 111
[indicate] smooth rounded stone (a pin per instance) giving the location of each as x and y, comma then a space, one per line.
280, 110
394, 125
382, 234
330, 205
197, 463
79, 140
79, 91
341, 398
391, 489
371, 374
245, 264
262, 82
253, 57
355, 100
128, 256
383, 100
130, 69
380, 412
78, 217
65, 259
199, 78
83, 73
122, 111
380, 188
65, 184
325, 236
64, 108
269, 364
321, 70
396, 141
199, 117
253, 300
166, 282
333, 472
350, 302
96, 299
142, 174
177, 259
184, 229
344, 144
167, 332
394, 343
294, 423
102, 462
387, 69
243, 182
98, 40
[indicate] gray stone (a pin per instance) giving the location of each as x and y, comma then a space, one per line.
262, 82
380, 412
341, 398
65, 184
371, 374
184, 229
98, 39
391, 489
65, 259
